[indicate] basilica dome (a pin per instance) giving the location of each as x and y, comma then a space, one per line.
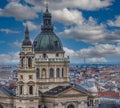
47, 40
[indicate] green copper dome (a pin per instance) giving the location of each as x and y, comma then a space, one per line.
47, 40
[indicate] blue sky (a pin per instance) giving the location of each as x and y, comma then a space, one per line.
87, 28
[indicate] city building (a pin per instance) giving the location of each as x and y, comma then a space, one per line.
43, 74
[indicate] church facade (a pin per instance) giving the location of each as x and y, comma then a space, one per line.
43, 74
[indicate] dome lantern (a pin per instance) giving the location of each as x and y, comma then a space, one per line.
47, 40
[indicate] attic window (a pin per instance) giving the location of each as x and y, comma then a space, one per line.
44, 55
57, 54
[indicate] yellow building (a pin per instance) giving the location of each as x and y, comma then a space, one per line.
43, 74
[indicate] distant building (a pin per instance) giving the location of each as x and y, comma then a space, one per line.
43, 74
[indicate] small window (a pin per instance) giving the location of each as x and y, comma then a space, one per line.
30, 62
57, 54
44, 55
37, 73
30, 77
51, 73
22, 62
21, 89
31, 90
57, 72
21, 76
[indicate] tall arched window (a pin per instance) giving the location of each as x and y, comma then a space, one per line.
21, 62
37, 73
21, 89
57, 72
29, 62
51, 73
70, 106
62, 72
31, 90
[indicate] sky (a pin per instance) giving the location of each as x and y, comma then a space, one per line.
88, 29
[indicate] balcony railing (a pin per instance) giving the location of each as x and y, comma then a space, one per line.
52, 59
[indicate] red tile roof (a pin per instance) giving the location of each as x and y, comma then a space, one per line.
108, 94
104, 73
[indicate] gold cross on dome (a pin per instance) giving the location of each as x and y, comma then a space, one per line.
46, 5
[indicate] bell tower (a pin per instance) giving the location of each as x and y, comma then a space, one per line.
26, 85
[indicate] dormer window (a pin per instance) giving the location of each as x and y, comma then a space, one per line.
57, 54
44, 55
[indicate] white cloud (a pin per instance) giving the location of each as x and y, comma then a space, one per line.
86, 30
97, 60
8, 31
68, 17
81, 4
115, 23
97, 53
19, 11
12, 57
32, 26
81, 29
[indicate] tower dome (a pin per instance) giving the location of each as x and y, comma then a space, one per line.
47, 40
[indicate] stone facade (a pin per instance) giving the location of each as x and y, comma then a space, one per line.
43, 76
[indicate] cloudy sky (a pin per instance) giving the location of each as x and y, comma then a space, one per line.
88, 29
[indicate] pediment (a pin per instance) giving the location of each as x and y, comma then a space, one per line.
20, 82
72, 91
31, 83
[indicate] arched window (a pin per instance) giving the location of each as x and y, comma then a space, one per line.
21, 89
37, 73
57, 72
42, 106
62, 72
21, 62
70, 106
51, 73
29, 62
31, 90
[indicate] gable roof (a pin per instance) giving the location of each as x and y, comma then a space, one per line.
60, 89
57, 90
